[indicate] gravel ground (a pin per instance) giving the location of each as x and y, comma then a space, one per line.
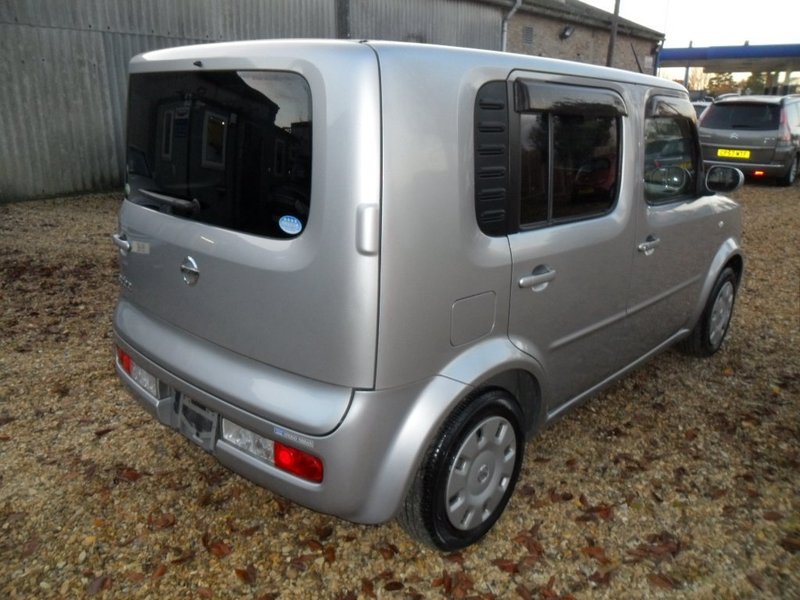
682, 480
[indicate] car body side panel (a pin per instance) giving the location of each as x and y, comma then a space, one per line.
432, 254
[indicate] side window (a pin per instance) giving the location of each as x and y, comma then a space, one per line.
569, 151
670, 157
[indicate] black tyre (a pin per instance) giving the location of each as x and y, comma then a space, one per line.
709, 332
791, 174
468, 474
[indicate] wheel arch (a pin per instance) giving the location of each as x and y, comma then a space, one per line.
729, 254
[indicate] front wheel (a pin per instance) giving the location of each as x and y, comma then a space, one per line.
468, 474
709, 332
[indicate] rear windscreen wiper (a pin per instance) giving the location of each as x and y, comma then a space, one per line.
179, 203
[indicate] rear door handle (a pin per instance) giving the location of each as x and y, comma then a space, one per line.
648, 246
539, 279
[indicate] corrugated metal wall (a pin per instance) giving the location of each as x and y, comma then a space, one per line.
469, 24
64, 64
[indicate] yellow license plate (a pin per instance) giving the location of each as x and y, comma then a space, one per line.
726, 153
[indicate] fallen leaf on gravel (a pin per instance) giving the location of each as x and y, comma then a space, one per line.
456, 557
773, 515
462, 584
301, 562
127, 474
367, 587
658, 547
6, 420
98, 584
662, 581
791, 543
183, 558
330, 553
216, 548
324, 531
756, 580
597, 553
30, 547
248, 575
101, 432
160, 571
160, 520
508, 566
599, 578
445, 582
387, 551
393, 586
314, 545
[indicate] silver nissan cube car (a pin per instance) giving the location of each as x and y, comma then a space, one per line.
363, 274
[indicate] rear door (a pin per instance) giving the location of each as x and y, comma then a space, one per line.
243, 210
572, 251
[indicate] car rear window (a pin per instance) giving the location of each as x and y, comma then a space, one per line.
742, 116
226, 148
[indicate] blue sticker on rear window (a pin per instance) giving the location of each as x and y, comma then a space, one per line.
290, 224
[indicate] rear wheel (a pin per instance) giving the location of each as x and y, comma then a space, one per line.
709, 332
468, 474
791, 175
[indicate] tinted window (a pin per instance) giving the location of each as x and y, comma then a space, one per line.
569, 165
231, 149
670, 151
742, 116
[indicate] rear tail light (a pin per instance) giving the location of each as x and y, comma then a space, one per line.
784, 133
124, 361
297, 462
294, 461
147, 381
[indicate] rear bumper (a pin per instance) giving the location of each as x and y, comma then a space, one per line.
369, 458
776, 168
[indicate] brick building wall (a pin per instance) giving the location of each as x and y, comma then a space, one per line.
542, 36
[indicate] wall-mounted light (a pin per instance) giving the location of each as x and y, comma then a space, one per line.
566, 32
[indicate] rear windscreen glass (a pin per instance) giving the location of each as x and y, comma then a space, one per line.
226, 148
742, 116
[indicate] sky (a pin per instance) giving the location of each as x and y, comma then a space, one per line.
713, 22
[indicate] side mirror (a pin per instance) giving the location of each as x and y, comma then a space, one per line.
723, 179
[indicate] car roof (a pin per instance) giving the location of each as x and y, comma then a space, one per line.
755, 99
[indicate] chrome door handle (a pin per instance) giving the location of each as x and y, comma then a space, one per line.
539, 279
121, 243
648, 246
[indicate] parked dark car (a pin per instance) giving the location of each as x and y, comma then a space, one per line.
758, 134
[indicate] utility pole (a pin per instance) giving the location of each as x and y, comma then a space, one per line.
612, 41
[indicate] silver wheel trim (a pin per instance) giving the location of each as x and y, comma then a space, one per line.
481, 473
721, 314
793, 169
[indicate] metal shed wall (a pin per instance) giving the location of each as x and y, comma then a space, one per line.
64, 76
449, 22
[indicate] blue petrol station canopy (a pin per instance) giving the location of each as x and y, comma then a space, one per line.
732, 59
